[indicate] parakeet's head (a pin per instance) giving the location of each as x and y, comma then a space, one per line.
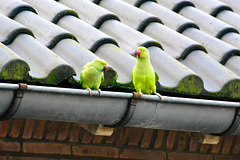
142, 53
100, 64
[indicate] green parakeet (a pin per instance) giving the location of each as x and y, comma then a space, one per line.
143, 75
92, 75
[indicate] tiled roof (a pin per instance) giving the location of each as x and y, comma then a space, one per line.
194, 45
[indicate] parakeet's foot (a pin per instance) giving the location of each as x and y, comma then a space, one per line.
90, 91
100, 92
137, 94
159, 96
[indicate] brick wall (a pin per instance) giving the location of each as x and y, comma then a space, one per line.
46, 140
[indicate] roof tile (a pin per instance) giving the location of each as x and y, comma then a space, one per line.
127, 38
96, 18
13, 7
212, 7
219, 10
214, 75
172, 73
51, 10
207, 23
176, 5
73, 53
232, 38
89, 37
12, 66
46, 32
230, 18
47, 68
138, 20
168, 17
235, 4
11, 29
217, 49
170, 40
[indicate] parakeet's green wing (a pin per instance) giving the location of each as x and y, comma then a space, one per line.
83, 69
102, 77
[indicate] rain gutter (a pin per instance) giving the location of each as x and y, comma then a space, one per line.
118, 109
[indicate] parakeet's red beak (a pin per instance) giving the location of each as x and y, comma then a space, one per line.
105, 67
138, 52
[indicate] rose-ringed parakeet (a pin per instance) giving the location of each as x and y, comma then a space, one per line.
92, 75
143, 75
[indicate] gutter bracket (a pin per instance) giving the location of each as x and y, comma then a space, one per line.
232, 128
16, 101
129, 112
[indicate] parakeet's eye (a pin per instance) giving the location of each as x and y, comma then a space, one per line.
101, 63
143, 50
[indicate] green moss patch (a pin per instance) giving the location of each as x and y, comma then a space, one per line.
230, 90
16, 70
58, 75
190, 85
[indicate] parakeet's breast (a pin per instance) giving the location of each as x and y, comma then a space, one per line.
92, 78
144, 78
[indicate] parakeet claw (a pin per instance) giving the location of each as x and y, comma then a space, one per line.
100, 92
90, 91
137, 94
159, 96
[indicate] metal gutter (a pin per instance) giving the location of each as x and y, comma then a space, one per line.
116, 109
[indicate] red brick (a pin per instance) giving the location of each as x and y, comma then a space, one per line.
159, 140
97, 139
95, 151
123, 135
171, 139
87, 137
47, 148
227, 144
216, 148
224, 158
74, 134
39, 129
28, 129
193, 145
112, 138
2, 158
4, 128
142, 154
204, 148
63, 131
186, 156
147, 137
236, 145
135, 136
182, 142
16, 127
9, 146
28, 158
52, 128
